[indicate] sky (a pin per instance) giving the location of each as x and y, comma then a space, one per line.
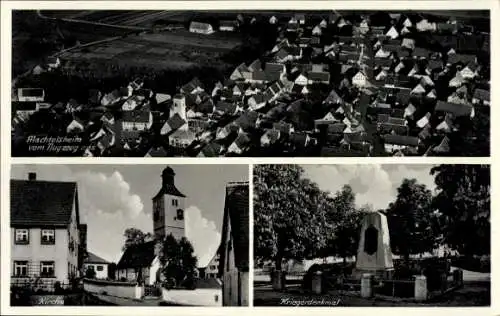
373, 184
116, 197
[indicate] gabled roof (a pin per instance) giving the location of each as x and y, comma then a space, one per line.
283, 127
401, 140
36, 203
138, 256
137, 116
93, 258
461, 58
246, 120
175, 122
157, 152
225, 107
482, 94
200, 26
333, 97
456, 109
236, 215
24, 106
213, 149
319, 76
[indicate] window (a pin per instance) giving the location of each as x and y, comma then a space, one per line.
20, 268
156, 216
48, 236
47, 269
22, 236
180, 214
100, 268
175, 202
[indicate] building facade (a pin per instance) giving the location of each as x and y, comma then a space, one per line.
139, 263
212, 268
97, 264
234, 248
45, 232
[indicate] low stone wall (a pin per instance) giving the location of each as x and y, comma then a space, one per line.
113, 288
198, 297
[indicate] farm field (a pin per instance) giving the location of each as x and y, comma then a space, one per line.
138, 18
173, 50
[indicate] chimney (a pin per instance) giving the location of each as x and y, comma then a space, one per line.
32, 176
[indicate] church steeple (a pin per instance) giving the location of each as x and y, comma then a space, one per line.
168, 176
168, 208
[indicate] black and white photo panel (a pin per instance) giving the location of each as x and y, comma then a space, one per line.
260, 83
371, 235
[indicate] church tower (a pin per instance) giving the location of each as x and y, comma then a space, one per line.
168, 208
179, 107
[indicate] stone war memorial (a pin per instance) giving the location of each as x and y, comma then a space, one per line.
374, 248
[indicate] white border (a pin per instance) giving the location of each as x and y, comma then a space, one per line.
7, 6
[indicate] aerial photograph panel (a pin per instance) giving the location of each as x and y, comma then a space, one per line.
332, 83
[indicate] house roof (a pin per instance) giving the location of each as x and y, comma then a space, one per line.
213, 149
157, 152
401, 140
137, 116
333, 97
35, 203
283, 127
456, 109
93, 258
273, 135
482, 94
200, 26
227, 23
319, 76
336, 128
23, 106
461, 58
225, 107
247, 120
175, 122
191, 85
170, 189
236, 215
255, 65
137, 256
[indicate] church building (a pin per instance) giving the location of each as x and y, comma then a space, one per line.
142, 261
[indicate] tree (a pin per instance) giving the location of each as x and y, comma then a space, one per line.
410, 219
463, 201
289, 210
178, 261
345, 223
90, 273
134, 236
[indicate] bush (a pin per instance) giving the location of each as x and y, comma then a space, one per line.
476, 264
90, 274
330, 273
399, 289
190, 283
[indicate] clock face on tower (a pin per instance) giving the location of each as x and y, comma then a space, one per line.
180, 215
